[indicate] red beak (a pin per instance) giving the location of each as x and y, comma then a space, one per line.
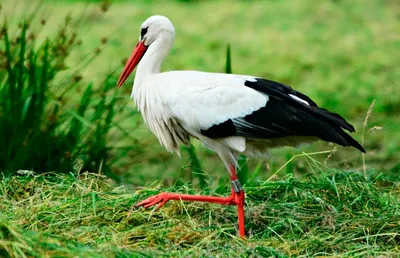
133, 60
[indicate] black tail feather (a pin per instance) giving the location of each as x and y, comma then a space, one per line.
349, 141
336, 119
334, 125
331, 130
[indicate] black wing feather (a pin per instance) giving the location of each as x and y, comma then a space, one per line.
285, 116
282, 91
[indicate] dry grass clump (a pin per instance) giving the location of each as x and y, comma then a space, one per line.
339, 213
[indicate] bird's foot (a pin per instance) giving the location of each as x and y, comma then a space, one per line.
236, 198
159, 200
162, 198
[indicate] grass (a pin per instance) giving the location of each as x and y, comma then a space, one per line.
317, 200
338, 214
43, 128
340, 53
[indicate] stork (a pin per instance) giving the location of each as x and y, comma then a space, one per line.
231, 114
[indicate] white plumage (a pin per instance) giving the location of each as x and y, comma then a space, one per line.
195, 100
231, 114
179, 104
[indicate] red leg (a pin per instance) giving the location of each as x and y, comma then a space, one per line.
236, 198
239, 196
240, 211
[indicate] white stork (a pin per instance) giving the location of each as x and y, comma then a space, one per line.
231, 114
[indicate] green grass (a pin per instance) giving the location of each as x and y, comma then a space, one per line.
44, 124
343, 54
339, 213
316, 200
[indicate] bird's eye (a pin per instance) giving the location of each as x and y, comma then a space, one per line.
143, 32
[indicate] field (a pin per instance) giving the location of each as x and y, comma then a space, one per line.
314, 200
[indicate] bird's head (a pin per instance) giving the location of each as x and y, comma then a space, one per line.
154, 28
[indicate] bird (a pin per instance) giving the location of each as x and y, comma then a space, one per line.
229, 113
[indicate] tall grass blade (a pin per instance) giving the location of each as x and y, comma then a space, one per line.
196, 167
40, 128
228, 63
243, 169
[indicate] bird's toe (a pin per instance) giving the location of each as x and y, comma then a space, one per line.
159, 199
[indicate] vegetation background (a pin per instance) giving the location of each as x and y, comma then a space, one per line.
75, 154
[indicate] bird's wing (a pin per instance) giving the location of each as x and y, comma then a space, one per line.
208, 99
287, 113
221, 105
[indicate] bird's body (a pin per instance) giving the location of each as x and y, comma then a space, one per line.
185, 103
231, 114
181, 104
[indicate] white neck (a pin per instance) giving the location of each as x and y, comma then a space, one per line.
151, 61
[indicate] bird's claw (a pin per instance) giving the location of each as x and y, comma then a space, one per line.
159, 199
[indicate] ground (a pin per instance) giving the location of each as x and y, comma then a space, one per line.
339, 214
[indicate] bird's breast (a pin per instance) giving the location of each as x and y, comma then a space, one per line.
158, 118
